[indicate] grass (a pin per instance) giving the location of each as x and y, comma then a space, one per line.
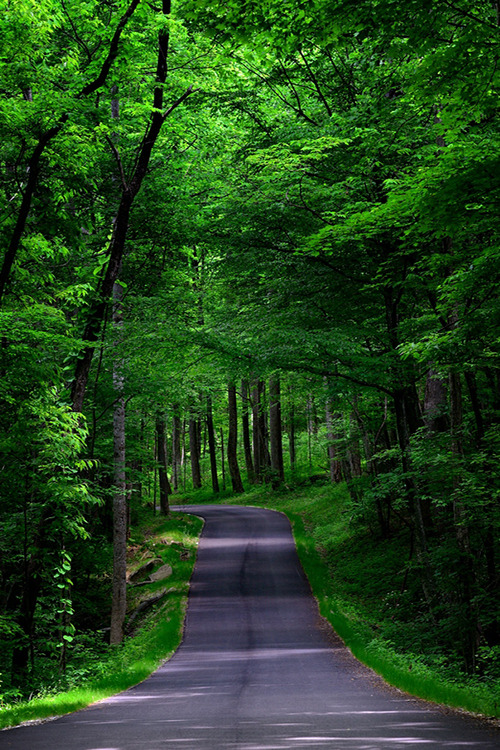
119, 667
357, 583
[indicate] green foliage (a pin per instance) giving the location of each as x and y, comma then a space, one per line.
95, 670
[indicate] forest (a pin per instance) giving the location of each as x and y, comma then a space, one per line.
248, 245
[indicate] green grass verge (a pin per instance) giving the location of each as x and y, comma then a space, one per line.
351, 575
123, 666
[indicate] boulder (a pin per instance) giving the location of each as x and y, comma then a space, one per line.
144, 568
159, 575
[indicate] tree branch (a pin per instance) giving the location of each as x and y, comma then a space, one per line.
113, 51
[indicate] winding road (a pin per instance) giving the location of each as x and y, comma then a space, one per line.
257, 669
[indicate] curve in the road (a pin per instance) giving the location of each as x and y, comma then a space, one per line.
257, 669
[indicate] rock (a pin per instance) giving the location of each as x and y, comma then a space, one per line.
145, 605
145, 568
159, 575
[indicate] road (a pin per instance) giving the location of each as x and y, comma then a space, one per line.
257, 669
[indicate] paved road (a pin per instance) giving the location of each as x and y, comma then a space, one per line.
256, 670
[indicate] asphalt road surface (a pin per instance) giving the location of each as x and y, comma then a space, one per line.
257, 670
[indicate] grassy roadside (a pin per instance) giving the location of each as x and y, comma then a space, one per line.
357, 583
110, 670
354, 585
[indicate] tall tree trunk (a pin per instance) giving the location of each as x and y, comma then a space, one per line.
222, 459
291, 432
256, 440
164, 484
435, 403
129, 192
467, 577
275, 428
436, 422
245, 425
119, 596
232, 440
333, 463
176, 447
261, 455
211, 446
30, 593
194, 450
406, 420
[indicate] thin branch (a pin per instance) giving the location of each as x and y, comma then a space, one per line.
113, 51
298, 109
316, 84
470, 15
75, 32
119, 163
179, 101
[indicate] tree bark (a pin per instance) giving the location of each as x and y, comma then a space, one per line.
261, 455
164, 484
222, 459
256, 439
291, 433
435, 403
334, 465
467, 577
194, 450
275, 429
245, 425
119, 595
176, 447
211, 447
232, 441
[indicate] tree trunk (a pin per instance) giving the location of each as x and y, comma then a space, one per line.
291, 432
436, 421
256, 440
245, 424
162, 465
333, 463
119, 595
404, 408
31, 591
261, 455
275, 429
232, 440
435, 403
176, 447
222, 459
467, 577
129, 192
194, 450
211, 447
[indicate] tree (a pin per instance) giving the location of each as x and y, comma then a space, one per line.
232, 440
